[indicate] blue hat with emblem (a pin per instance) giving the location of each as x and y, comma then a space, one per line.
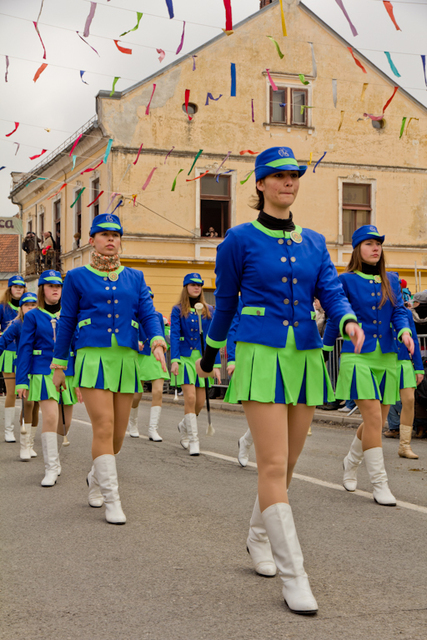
17, 281
106, 222
276, 159
27, 297
367, 232
50, 277
194, 278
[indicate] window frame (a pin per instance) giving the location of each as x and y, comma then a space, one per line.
356, 180
219, 198
57, 202
232, 207
94, 207
289, 85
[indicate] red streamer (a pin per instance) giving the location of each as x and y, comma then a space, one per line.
93, 201
147, 110
253, 153
39, 71
359, 64
147, 182
38, 155
75, 144
198, 177
137, 157
187, 98
38, 33
390, 99
122, 49
228, 16
91, 168
16, 126
389, 9
55, 194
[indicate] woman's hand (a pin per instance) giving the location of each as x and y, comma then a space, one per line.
217, 375
356, 334
79, 395
419, 378
230, 369
22, 393
159, 354
408, 342
59, 379
175, 368
200, 372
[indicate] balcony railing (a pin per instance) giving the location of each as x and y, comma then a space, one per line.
36, 262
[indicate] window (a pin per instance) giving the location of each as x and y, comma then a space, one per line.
30, 224
287, 106
41, 223
215, 203
356, 208
78, 221
57, 223
95, 194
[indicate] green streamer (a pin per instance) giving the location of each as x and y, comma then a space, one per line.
247, 178
402, 127
302, 78
276, 44
174, 182
139, 16
195, 160
304, 106
114, 84
78, 196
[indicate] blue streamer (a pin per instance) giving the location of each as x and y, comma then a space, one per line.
170, 8
120, 202
423, 60
210, 97
233, 80
3, 167
108, 149
318, 162
391, 63
81, 77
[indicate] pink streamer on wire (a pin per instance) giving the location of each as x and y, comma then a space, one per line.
343, 9
38, 155
182, 39
147, 182
16, 126
38, 33
87, 43
75, 144
147, 110
7, 68
162, 54
270, 79
168, 154
89, 19
139, 151
91, 168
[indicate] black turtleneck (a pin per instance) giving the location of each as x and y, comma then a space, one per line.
370, 269
270, 222
193, 301
15, 302
53, 308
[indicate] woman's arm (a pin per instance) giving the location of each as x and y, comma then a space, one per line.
25, 351
70, 302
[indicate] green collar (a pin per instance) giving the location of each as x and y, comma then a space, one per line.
103, 274
275, 233
48, 313
368, 276
12, 306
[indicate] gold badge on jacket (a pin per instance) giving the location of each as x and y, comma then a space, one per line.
113, 276
296, 237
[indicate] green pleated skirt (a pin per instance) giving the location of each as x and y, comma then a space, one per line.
281, 376
42, 388
187, 371
406, 375
368, 376
7, 361
114, 368
150, 369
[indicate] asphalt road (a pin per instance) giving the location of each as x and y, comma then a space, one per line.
178, 569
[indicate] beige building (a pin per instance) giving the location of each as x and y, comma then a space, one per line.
368, 174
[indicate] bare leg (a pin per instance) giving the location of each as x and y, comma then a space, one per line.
49, 409
109, 415
136, 400
68, 414
300, 418
189, 391
374, 415
200, 399
9, 380
28, 412
35, 417
157, 391
408, 406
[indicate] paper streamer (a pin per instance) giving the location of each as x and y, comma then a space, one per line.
402, 127
369, 115
228, 16
114, 84
97, 198
74, 161
39, 71
225, 159
186, 100
89, 19
75, 144
313, 61
3, 167
253, 153
139, 151
122, 49
252, 110
282, 104
282, 13
305, 106
79, 195
170, 8
93, 49
194, 62
19, 144
391, 63
423, 60
147, 110
389, 9
223, 174
352, 27
16, 126
7, 68
107, 151
409, 122
81, 77
210, 97
36, 179
40, 12
302, 78
55, 194
311, 158
273, 85
335, 92
38, 155
233, 80
113, 195
168, 154
199, 153
276, 44
318, 162
365, 86
390, 99
147, 182
247, 177
359, 64
162, 54
138, 16
182, 39
38, 33
134, 196
176, 177
197, 177
341, 121
92, 168
120, 202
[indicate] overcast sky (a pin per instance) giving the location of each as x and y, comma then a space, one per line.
60, 102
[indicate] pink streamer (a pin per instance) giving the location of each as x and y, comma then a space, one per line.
87, 43
225, 159
147, 182
137, 157
342, 7
89, 19
182, 39
168, 154
162, 54
273, 85
17, 148
38, 33
252, 109
75, 144
7, 68
16, 126
91, 168
38, 155
147, 110
194, 62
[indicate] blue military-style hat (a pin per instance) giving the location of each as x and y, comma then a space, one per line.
17, 281
367, 232
195, 278
50, 277
106, 222
27, 297
276, 159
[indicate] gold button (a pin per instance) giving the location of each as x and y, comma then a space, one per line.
371, 282
372, 294
117, 331
295, 280
109, 315
108, 301
286, 301
375, 335
289, 242
281, 241
380, 321
380, 336
285, 322
293, 259
283, 259
375, 322
109, 330
117, 315
379, 293
296, 323
116, 301
284, 279
114, 288
105, 279
374, 308
107, 288
296, 302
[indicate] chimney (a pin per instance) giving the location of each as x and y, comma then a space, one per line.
264, 3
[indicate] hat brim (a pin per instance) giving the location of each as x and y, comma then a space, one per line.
263, 171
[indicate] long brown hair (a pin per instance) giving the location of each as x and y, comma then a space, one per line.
355, 264
7, 296
184, 301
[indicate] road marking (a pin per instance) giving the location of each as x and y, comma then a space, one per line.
297, 476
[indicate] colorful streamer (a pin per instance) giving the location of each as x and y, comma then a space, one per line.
225, 159
170, 8
318, 162
176, 177
335, 92
162, 54
391, 63
282, 13
210, 97
252, 110
107, 151
91, 168
247, 177
359, 64
423, 60
147, 110
40, 12
74, 161
369, 115
3, 167
409, 122
18, 144
389, 9
89, 45
81, 77
147, 182
182, 39
36, 179
134, 196
76, 142
313, 61
390, 99
302, 78
341, 121
194, 62
89, 19
16, 126
7, 68
122, 49
352, 27
138, 16
282, 104
38, 33
38, 155
119, 204
365, 86
186, 100
233, 80
97, 198
139, 151
199, 153
55, 194
198, 177
271, 81
79, 195
311, 158
228, 18
253, 153
168, 154
114, 84
402, 127
276, 44
39, 71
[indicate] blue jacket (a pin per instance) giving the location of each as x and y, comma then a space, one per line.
365, 297
278, 279
146, 351
102, 308
8, 313
184, 335
231, 343
11, 336
402, 351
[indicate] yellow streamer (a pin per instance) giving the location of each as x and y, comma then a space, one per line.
409, 122
341, 121
283, 18
365, 86
311, 158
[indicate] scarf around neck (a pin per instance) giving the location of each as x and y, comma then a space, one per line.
104, 263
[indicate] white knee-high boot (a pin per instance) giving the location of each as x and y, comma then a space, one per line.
154, 423
374, 460
244, 443
132, 429
258, 545
185, 440
106, 474
351, 464
95, 498
191, 428
280, 527
25, 441
32, 436
9, 417
51, 459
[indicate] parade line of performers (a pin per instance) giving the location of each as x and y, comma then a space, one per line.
97, 337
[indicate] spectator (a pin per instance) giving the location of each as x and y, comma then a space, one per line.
211, 233
419, 311
48, 247
31, 242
